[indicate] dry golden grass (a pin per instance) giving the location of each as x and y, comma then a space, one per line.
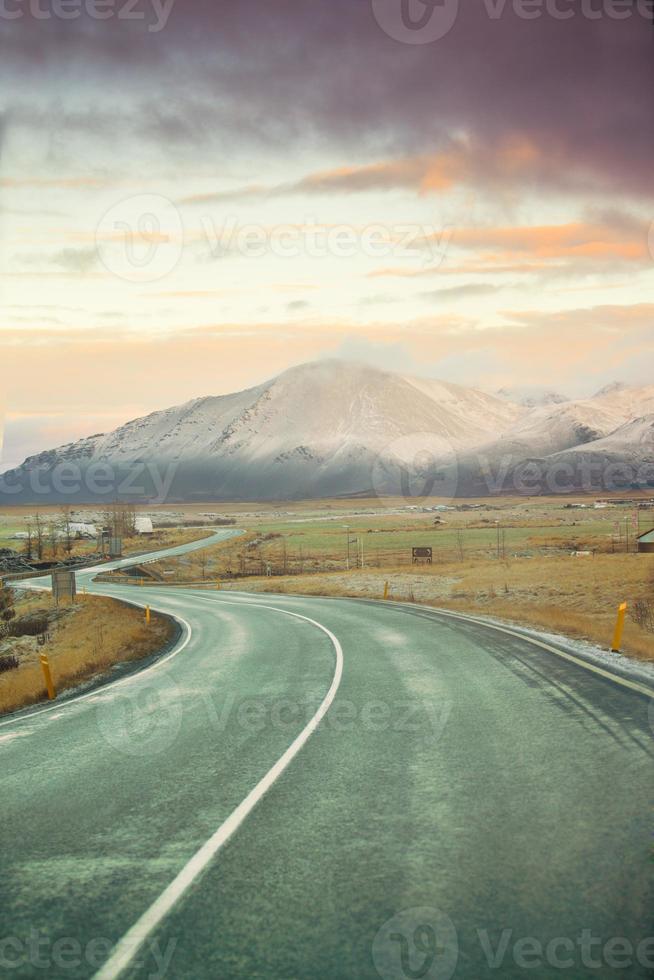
163, 538
90, 637
539, 583
207, 564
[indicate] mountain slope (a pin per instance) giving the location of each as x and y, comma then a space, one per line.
571, 446
316, 429
330, 428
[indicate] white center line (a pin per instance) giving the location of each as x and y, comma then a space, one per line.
127, 948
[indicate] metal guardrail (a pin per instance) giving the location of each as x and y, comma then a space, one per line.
111, 579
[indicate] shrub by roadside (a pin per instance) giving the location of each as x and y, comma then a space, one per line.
83, 641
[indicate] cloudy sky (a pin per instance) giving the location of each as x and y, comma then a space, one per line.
197, 195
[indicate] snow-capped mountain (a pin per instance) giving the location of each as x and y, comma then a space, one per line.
632, 442
569, 446
531, 397
329, 428
552, 428
316, 429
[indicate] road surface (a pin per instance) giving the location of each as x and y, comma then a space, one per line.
322, 788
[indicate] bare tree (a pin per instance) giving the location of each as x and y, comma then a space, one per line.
65, 525
121, 519
29, 543
39, 534
7, 611
53, 539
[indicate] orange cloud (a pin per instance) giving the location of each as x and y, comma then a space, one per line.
576, 246
517, 160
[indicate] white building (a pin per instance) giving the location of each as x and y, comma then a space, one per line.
143, 525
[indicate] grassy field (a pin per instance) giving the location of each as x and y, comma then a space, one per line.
85, 640
13, 522
510, 558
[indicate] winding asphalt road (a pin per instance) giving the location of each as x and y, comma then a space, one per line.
322, 788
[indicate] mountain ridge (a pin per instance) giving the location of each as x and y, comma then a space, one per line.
332, 427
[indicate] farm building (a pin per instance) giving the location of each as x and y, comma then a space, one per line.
646, 541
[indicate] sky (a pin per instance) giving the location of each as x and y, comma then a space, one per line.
197, 195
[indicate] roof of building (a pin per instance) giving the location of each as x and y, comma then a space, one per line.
647, 537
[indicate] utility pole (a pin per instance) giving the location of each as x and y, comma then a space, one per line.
347, 560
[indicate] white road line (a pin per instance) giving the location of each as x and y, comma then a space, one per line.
25, 587
127, 948
435, 612
579, 661
112, 685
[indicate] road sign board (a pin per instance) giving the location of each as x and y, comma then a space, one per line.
63, 585
421, 554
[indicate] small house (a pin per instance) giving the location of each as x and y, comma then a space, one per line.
646, 542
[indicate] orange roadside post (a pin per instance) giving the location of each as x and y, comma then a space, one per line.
619, 628
45, 667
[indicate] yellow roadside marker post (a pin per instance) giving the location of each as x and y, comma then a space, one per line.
218, 584
45, 667
386, 588
619, 627
147, 615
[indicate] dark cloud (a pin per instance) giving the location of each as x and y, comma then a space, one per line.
306, 71
74, 260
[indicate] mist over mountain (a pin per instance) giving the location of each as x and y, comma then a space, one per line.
332, 428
